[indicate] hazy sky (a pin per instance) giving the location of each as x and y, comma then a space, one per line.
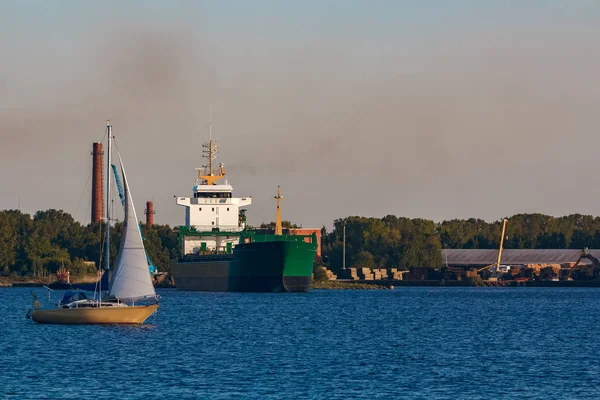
438, 109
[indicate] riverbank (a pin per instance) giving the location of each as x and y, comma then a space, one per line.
160, 281
26, 281
347, 285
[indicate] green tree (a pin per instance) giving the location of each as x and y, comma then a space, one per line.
363, 259
284, 224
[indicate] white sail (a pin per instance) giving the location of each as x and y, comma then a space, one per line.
131, 278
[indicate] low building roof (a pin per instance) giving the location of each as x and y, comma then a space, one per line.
512, 256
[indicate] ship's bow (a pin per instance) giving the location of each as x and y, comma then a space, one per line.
272, 264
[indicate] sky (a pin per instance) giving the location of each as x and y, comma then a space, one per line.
437, 110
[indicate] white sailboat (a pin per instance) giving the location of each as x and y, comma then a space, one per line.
130, 297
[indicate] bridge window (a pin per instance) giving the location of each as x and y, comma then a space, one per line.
212, 195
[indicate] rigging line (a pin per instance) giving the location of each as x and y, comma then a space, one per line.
98, 282
116, 146
99, 263
104, 135
82, 193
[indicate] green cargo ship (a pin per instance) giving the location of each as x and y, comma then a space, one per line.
221, 254
259, 263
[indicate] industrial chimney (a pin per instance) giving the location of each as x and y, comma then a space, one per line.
97, 202
149, 213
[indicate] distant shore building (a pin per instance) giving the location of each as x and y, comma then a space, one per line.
473, 258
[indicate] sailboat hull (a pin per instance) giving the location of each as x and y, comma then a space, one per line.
102, 315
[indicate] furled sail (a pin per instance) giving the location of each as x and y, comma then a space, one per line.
131, 279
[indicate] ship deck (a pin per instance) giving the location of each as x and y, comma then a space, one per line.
205, 258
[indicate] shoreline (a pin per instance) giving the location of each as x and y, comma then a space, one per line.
348, 285
163, 280
166, 282
24, 281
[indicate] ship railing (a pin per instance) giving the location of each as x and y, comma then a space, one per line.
213, 228
205, 257
263, 237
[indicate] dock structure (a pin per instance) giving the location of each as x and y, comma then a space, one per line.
480, 267
479, 257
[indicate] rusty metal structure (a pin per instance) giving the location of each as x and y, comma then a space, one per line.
149, 213
97, 198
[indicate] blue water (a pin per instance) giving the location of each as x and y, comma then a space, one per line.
421, 343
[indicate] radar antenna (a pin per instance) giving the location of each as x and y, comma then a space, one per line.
209, 152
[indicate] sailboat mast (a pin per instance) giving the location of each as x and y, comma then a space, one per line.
108, 161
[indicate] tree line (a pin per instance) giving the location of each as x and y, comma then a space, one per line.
398, 242
50, 239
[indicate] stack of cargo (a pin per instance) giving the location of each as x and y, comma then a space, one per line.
365, 274
472, 273
537, 269
395, 274
330, 275
368, 274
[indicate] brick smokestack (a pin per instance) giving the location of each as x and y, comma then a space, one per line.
149, 213
97, 192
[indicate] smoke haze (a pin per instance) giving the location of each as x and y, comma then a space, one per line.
469, 111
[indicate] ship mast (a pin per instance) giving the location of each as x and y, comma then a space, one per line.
278, 227
210, 143
210, 150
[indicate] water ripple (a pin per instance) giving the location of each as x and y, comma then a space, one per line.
413, 343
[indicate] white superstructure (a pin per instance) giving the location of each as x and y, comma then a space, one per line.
213, 217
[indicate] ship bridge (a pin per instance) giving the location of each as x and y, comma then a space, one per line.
213, 217
213, 191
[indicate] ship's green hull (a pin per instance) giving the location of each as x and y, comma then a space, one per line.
273, 266
268, 264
